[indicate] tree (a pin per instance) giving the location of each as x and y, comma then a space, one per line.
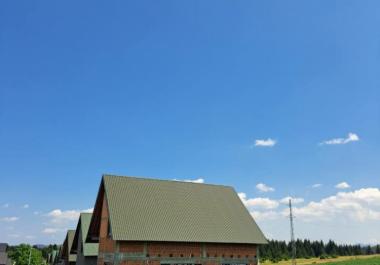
368, 250
377, 249
48, 250
331, 248
20, 254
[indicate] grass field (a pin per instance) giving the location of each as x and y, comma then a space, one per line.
344, 260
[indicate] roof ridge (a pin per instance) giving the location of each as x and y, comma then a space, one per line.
166, 180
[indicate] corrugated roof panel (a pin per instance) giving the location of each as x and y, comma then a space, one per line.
89, 249
70, 238
158, 210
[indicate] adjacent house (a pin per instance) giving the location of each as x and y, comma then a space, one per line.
87, 253
139, 221
4, 259
68, 259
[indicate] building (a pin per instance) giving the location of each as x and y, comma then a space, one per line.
52, 257
66, 256
87, 253
4, 259
140, 221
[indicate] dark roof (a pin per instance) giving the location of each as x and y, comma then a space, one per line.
89, 249
143, 209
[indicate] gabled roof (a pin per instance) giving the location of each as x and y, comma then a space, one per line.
89, 249
143, 209
66, 247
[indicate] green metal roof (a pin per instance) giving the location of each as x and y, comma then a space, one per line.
69, 241
89, 249
159, 210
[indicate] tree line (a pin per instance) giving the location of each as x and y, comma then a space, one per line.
277, 250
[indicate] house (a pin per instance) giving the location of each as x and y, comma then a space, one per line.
59, 259
140, 221
4, 259
87, 253
68, 259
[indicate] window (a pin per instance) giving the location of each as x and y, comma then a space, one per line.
109, 229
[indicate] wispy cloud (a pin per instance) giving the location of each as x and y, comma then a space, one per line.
351, 137
25, 206
5, 205
317, 185
9, 219
360, 205
294, 200
265, 215
50, 230
342, 185
199, 180
264, 143
264, 203
59, 216
264, 188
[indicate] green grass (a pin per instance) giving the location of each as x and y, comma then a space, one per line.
342, 260
355, 261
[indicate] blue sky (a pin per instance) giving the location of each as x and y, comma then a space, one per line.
183, 90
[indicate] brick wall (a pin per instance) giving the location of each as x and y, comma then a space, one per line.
131, 247
168, 249
106, 244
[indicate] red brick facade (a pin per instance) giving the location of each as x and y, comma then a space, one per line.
156, 253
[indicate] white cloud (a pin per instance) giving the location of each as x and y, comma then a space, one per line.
360, 205
351, 137
51, 230
317, 185
199, 180
58, 216
25, 206
264, 203
9, 219
30, 237
14, 235
265, 142
342, 185
294, 200
6, 205
265, 215
36, 212
264, 188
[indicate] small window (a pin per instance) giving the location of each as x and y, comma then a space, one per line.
109, 230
